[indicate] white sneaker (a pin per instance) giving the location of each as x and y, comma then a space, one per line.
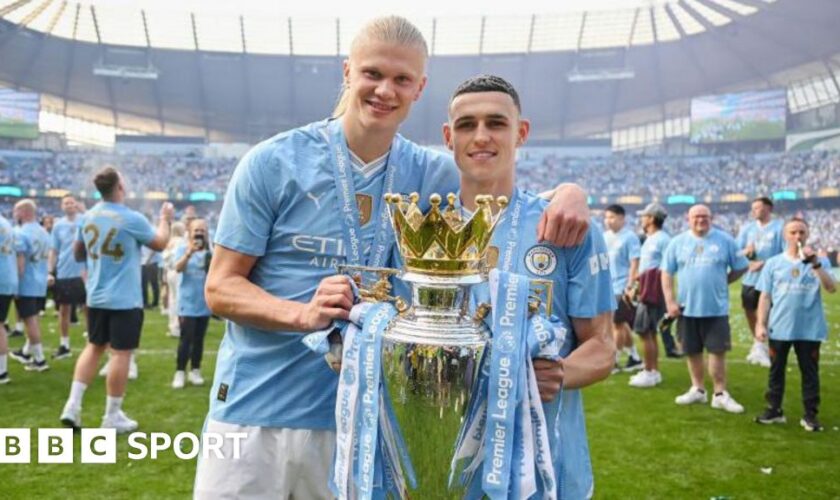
132, 370
120, 422
172, 334
104, 371
71, 416
195, 378
178, 380
645, 379
725, 402
759, 355
693, 396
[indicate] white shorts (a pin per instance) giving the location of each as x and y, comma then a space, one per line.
274, 462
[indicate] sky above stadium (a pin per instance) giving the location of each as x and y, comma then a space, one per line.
368, 8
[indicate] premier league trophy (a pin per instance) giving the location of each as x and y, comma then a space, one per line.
431, 348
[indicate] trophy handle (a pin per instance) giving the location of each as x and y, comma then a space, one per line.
380, 291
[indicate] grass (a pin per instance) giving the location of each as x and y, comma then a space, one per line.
643, 445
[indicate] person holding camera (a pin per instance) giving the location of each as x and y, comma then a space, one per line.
790, 315
192, 260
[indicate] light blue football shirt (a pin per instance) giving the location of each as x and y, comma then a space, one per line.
623, 246
652, 250
191, 283
794, 288
768, 241
112, 234
8, 259
703, 265
63, 239
581, 288
33, 242
281, 206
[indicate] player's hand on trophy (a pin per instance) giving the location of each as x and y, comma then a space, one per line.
565, 220
167, 211
332, 300
549, 377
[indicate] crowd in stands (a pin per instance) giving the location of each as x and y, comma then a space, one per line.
74, 170
607, 176
697, 176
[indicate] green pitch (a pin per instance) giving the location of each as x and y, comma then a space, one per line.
643, 445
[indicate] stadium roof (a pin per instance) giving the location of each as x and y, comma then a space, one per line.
261, 29
245, 76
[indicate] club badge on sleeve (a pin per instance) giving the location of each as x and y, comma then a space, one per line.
540, 260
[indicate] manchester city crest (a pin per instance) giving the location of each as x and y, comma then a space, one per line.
365, 204
540, 260
794, 272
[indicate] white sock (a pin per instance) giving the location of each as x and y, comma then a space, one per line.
65, 342
617, 356
3, 364
19, 326
38, 352
27, 348
133, 359
77, 393
633, 352
112, 405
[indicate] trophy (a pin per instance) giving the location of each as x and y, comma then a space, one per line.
432, 348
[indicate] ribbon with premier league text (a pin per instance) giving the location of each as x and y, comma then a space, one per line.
503, 447
371, 459
349, 210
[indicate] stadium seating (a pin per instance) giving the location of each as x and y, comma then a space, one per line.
613, 176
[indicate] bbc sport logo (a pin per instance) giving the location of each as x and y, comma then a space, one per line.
99, 446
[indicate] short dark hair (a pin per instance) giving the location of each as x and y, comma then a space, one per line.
487, 83
763, 199
797, 219
106, 181
616, 209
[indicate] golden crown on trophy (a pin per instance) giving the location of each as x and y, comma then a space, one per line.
444, 242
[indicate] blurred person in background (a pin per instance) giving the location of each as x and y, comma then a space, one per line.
759, 240
623, 248
33, 244
192, 261
69, 287
110, 240
705, 261
791, 316
8, 289
171, 277
651, 306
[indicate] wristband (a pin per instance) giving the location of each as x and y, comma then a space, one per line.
816, 265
